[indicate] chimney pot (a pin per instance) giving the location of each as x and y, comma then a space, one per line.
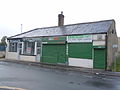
61, 19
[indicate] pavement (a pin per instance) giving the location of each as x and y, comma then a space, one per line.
29, 77
63, 67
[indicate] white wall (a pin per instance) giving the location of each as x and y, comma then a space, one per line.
2, 54
14, 56
88, 63
98, 43
27, 58
11, 55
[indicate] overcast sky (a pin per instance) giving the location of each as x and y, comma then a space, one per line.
44, 13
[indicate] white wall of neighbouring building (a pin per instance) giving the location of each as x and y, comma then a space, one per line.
27, 58
11, 55
88, 63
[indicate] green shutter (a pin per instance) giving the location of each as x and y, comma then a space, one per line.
80, 50
99, 58
49, 54
61, 54
53, 53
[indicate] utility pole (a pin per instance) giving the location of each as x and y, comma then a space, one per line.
21, 28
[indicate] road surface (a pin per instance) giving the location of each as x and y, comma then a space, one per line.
38, 78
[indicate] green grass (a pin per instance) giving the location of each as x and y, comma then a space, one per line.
117, 64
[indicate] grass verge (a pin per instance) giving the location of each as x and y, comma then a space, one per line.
117, 64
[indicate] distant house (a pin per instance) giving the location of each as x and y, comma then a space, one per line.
90, 45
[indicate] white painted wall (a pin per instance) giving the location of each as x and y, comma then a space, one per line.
27, 58
88, 63
11, 55
98, 37
98, 43
2, 54
14, 56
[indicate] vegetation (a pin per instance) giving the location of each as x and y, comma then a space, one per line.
3, 41
117, 64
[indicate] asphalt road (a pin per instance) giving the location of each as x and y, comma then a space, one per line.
37, 78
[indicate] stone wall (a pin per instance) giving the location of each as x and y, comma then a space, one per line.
118, 44
112, 49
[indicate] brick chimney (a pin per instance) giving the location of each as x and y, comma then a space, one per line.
61, 19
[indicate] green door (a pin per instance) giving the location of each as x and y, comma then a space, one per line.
99, 59
53, 53
61, 53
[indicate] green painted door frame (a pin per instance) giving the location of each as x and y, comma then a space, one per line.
99, 61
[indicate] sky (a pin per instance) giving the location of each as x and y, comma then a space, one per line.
44, 13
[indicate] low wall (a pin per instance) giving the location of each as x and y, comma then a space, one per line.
27, 58
14, 56
2, 54
88, 63
11, 55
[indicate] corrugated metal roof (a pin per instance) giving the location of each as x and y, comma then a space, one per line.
73, 29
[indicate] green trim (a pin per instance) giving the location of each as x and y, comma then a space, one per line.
79, 36
53, 39
55, 42
98, 46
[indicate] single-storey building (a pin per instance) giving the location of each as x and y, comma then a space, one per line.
90, 45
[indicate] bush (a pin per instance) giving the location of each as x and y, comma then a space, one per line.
117, 64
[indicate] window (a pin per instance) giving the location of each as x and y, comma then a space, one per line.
20, 48
29, 48
13, 47
38, 47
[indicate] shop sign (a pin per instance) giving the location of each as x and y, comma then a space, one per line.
99, 43
44, 42
99, 37
54, 38
31, 39
81, 38
14, 41
62, 42
115, 46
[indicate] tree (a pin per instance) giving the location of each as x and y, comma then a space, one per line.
3, 41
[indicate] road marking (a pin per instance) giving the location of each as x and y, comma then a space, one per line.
11, 88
